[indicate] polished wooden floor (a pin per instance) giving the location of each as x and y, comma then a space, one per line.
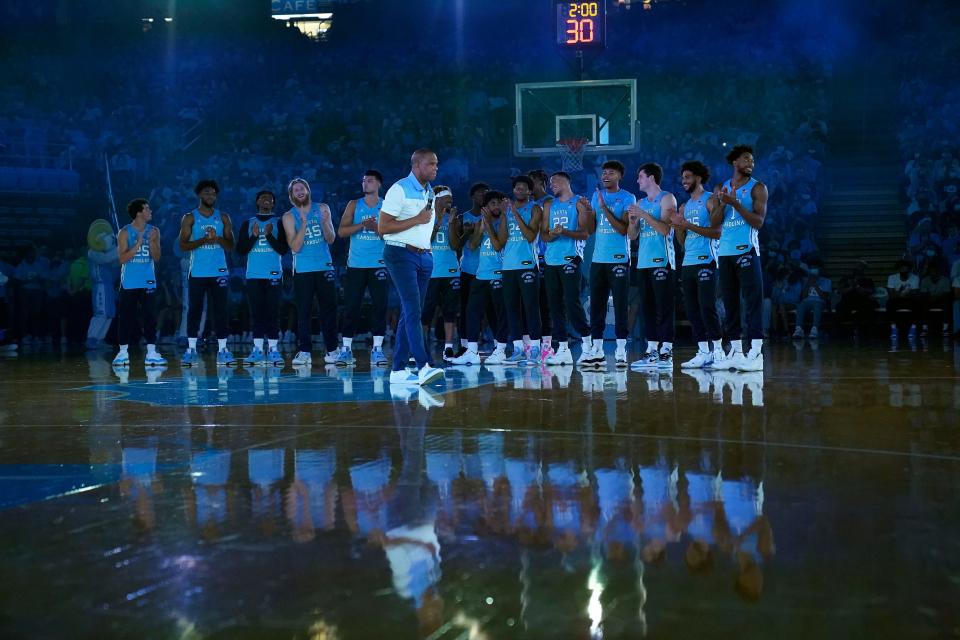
818, 499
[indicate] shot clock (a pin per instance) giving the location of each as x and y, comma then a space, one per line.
582, 24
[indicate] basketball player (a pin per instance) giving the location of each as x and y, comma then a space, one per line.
207, 234
489, 239
697, 226
139, 250
744, 202
566, 225
470, 256
521, 276
309, 229
610, 270
540, 197
650, 222
262, 240
365, 269
444, 288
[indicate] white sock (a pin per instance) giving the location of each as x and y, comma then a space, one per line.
526, 340
621, 344
447, 345
756, 345
192, 343
258, 343
151, 349
704, 347
377, 342
123, 349
472, 347
222, 344
464, 343
518, 345
736, 346
563, 346
587, 343
546, 341
667, 347
653, 347
348, 343
272, 344
501, 346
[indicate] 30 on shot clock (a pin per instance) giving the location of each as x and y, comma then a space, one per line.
582, 24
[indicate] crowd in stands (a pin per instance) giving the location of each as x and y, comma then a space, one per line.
169, 109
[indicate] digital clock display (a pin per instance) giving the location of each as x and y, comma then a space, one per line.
581, 24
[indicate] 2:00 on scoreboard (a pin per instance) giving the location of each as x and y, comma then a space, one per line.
581, 24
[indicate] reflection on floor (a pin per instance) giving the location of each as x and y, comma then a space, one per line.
529, 503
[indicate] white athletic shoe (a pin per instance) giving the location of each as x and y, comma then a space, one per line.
721, 360
798, 333
620, 358
814, 333
404, 377
428, 374
647, 361
499, 356
586, 356
468, 357
332, 356
303, 358
753, 361
699, 361
561, 357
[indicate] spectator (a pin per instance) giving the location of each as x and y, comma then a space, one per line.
857, 297
936, 299
903, 290
816, 289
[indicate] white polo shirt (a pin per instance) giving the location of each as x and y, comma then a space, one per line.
405, 199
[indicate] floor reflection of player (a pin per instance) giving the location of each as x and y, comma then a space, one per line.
365, 503
444, 464
526, 514
660, 511
311, 502
703, 494
208, 502
570, 504
750, 533
619, 513
265, 469
139, 483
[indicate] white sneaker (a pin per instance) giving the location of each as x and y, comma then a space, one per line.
403, 377
720, 360
751, 362
647, 361
814, 333
468, 357
798, 333
620, 358
735, 360
597, 357
561, 357
428, 374
586, 356
332, 356
302, 358
499, 356
699, 361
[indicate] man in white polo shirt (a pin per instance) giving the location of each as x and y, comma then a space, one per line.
406, 224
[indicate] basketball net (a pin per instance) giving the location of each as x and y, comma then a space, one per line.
571, 153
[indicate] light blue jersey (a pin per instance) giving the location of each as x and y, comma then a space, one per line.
139, 272
564, 249
471, 257
314, 255
366, 247
490, 263
208, 260
445, 263
611, 246
263, 263
541, 243
519, 253
737, 236
654, 250
698, 249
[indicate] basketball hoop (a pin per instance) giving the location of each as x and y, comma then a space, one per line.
571, 153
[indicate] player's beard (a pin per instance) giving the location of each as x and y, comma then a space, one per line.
301, 202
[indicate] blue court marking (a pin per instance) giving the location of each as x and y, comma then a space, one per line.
24, 483
260, 386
